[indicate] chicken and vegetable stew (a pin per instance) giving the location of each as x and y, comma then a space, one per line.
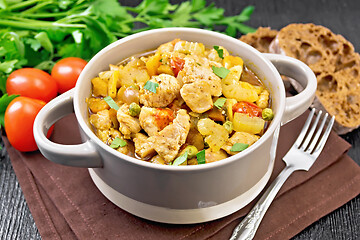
181, 104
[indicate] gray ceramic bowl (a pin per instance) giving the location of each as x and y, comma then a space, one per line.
176, 194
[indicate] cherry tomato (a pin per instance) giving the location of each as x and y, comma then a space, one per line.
19, 120
66, 72
32, 83
249, 108
177, 64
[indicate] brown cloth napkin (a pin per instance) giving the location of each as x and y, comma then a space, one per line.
66, 204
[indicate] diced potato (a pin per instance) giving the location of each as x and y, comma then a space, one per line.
165, 69
112, 84
216, 134
244, 123
97, 104
258, 89
233, 88
157, 159
231, 61
133, 72
228, 106
105, 75
153, 63
190, 48
100, 87
114, 67
263, 100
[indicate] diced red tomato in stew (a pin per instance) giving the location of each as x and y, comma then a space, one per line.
163, 117
248, 108
177, 64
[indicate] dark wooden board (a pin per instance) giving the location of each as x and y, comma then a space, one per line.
342, 17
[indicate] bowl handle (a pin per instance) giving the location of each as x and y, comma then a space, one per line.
78, 155
299, 71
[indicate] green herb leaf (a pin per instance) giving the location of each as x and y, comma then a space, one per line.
180, 159
219, 103
118, 142
4, 102
45, 42
34, 44
151, 86
111, 102
200, 157
220, 71
238, 147
219, 51
8, 66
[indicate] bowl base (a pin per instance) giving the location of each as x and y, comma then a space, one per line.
179, 216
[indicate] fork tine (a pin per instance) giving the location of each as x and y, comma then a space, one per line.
305, 128
324, 138
317, 135
311, 132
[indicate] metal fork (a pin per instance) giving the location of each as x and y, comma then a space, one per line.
301, 156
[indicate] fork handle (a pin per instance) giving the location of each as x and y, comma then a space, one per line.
246, 229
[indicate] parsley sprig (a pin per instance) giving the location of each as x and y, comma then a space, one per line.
37, 33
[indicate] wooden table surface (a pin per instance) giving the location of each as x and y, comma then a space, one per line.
342, 17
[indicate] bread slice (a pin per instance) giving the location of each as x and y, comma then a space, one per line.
335, 64
260, 39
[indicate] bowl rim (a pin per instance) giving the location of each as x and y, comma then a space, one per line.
275, 123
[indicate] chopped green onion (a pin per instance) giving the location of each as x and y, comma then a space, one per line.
118, 142
151, 86
220, 71
200, 156
219, 51
238, 147
219, 103
180, 159
228, 125
111, 102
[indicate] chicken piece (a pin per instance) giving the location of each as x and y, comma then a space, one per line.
213, 156
169, 140
197, 96
239, 137
166, 92
143, 147
153, 120
128, 124
199, 69
108, 135
101, 120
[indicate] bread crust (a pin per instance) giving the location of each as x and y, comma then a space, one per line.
335, 64
260, 39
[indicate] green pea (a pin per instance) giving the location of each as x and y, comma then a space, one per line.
134, 109
267, 114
